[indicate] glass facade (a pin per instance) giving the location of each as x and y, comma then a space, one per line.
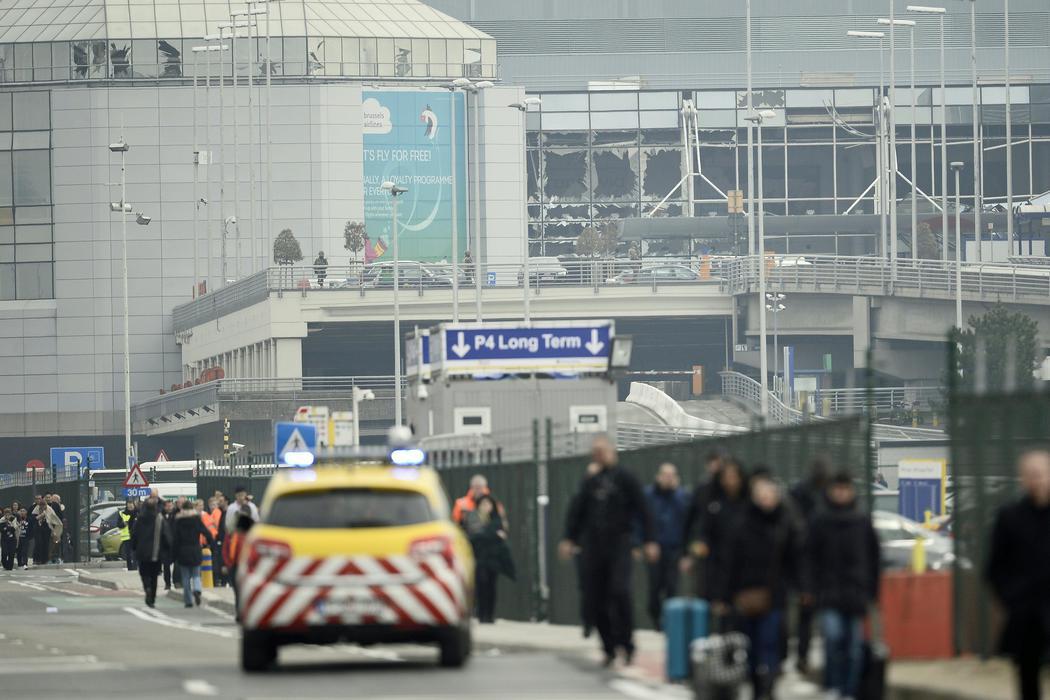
594, 157
26, 235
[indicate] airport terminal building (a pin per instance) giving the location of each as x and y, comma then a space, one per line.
347, 94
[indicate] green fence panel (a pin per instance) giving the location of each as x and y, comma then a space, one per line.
75, 497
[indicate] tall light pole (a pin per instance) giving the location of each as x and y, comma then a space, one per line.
476, 90
957, 166
892, 22
750, 139
523, 107
758, 118
124, 209
396, 192
236, 142
940, 12
978, 187
1009, 133
196, 165
454, 126
880, 137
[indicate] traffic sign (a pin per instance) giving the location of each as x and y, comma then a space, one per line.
417, 354
293, 441
35, 465
162, 456
137, 492
316, 416
91, 457
490, 278
135, 478
577, 346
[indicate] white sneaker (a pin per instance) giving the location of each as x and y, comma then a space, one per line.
24, 567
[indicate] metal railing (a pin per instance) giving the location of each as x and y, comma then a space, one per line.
748, 391
631, 436
427, 278
48, 475
844, 402
870, 275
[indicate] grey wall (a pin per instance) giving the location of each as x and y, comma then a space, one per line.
552, 45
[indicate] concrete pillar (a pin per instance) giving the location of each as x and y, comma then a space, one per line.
289, 360
861, 331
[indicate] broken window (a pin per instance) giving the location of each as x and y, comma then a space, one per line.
120, 59
532, 160
661, 172
565, 138
170, 58
565, 175
615, 138
615, 174
579, 211
615, 211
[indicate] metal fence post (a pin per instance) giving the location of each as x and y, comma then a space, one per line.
542, 597
870, 464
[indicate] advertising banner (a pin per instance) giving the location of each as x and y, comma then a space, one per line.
408, 140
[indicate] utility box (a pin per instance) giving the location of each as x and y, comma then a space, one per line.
487, 385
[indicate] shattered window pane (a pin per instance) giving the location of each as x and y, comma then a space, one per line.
669, 208
670, 137
533, 161
718, 165
580, 211
615, 174
615, 211
662, 171
120, 58
565, 175
615, 138
565, 138
170, 58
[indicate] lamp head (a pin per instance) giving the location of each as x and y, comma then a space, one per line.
483, 84
119, 206
143, 219
119, 147
393, 188
957, 165
461, 83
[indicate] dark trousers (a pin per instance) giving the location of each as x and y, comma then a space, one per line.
1031, 648
607, 594
236, 593
23, 551
41, 545
663, 582
148, 572
485, 593
7, 554
805, 631
166, 568
128, 554
763, 633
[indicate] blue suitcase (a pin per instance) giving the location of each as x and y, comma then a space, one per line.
684, 619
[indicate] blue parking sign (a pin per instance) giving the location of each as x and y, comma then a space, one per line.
91, 457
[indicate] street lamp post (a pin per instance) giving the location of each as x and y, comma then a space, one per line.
454, 126
1009, 133
523, 107
124, 209
957, 166
750, 140
892, 23
940, 12
757, 118
396, 192
357, 396
476, 90
774, 304
978, 187
880, 137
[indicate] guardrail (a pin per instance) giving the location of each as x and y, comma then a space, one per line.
884, 400
749, 392
869, 275
423, 278
48, 475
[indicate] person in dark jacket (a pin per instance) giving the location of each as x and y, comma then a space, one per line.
600, 526
668, 503
186, 544
843, 557
808, 496
697, 553
1019, 571
25, 539
321, 268
488, 538
167, 509
151, 539
763, 560
727, 499
10, 532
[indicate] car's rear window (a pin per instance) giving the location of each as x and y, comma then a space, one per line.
350, 508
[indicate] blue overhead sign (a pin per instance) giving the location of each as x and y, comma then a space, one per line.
578, 346
91, 457
295, 444
137, 492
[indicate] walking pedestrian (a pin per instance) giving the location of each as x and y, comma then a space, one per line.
218, 516
479, 486
726, 500
321, 268
764, 559
703, 493
488, 538
41, 533
24, 541
843, 558
151, 539
48, 534
241, 503
10, 532
127, 521
231, 554
186, 544
809, 497
610, 503
168, 511
1019, 571
668, 503
586, 622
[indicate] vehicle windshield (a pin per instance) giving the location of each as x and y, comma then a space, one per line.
350, 508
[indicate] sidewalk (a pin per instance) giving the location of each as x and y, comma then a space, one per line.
965, 678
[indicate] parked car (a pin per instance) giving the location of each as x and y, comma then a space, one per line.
103, 519
412, 274
544, 269
897, 535
660, 274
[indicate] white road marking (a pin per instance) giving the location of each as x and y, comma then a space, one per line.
26, 584
161, 619
640, 691
196, 686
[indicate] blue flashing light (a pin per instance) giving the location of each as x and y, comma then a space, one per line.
299, 459
407, 457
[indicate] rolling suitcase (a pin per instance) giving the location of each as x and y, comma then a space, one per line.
876, 655
684, 619
719, 666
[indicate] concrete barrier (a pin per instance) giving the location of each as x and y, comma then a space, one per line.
671, 413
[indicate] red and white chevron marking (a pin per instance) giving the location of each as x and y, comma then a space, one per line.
350, 590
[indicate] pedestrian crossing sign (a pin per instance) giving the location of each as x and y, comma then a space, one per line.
135, 478
295, 444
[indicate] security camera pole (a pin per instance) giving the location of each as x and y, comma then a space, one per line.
523, 107
763, 361
395, 192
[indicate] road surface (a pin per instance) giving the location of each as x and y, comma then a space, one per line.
60, 638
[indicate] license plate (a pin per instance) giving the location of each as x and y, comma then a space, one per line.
355, 607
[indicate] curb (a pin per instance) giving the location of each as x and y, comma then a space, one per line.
100, 582
207, 601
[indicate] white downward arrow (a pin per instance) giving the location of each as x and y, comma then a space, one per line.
594, 346
460, 348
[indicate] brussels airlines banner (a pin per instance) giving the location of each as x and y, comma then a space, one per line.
408, 140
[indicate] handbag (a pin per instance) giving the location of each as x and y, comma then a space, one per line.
758, 600
720, 660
